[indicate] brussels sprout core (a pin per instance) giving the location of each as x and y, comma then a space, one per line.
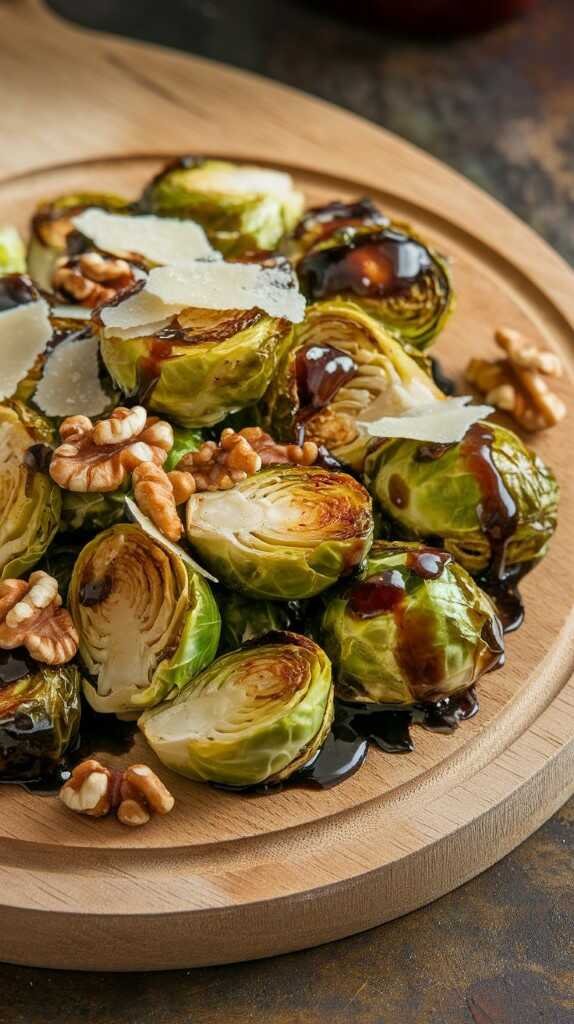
255, 715
286, 533
147, 622
415, 628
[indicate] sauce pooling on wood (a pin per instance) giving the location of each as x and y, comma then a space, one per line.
376, 265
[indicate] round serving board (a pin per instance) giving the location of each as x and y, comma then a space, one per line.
228, 877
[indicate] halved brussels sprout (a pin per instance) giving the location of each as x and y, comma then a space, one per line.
490, 500
387, 270
255, 715
285, 533
342, 370
414, 628
208, 364
29, 499
343, 219
147, 622
12, 252
39, 714
52, 223
241, 208
243, 619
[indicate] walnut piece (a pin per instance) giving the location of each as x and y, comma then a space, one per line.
99, 457
218, 467
516, 384
31, 616
158, 493
134, 793
91, 279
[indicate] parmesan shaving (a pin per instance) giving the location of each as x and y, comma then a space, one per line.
442, 422
24, 333
71, 381
230, 286
158, 239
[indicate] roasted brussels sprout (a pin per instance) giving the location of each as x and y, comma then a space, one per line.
387, 270
285, 533
211, 363
254, 716
241, 208
490, 500
52, 224
243, 619
342, 370
147, 622
414, 628
12, 252
30, 501
39, 714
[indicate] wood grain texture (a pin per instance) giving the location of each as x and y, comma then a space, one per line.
226, 878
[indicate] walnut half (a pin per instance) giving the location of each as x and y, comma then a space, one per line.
99, 457
134, 793
31, 616
517, 383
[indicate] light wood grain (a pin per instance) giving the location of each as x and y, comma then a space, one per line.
225, 877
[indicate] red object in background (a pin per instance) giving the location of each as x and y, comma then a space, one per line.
438, 16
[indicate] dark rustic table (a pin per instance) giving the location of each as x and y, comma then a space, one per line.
500, 950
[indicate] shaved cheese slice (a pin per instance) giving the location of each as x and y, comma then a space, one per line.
230, 286
158, 239
71, 383
137, 516
247, 180
24, 333
136, 312
442, 422
71, 312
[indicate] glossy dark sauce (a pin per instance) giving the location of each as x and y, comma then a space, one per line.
384, 592
399, 492
443, 382
427, 563
321, 371
375, 265
16, 290
149, 366
95, 591
323, 221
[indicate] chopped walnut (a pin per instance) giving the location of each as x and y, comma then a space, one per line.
218, 467
91, 279
31, 616
99, 457
516, 383
158, 493
134, 793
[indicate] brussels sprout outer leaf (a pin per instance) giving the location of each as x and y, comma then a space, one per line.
429, 639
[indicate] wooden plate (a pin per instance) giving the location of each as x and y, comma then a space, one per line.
224, 877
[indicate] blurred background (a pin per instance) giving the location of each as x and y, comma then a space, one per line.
496, 103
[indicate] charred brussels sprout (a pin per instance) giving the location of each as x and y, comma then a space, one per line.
241, 208
414, 628
211, 363
343, 251
285, 533
52, 224
342, 370
254, 716
147, 622
39, 715
243, 619
29, 499
12, 252
490, 500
